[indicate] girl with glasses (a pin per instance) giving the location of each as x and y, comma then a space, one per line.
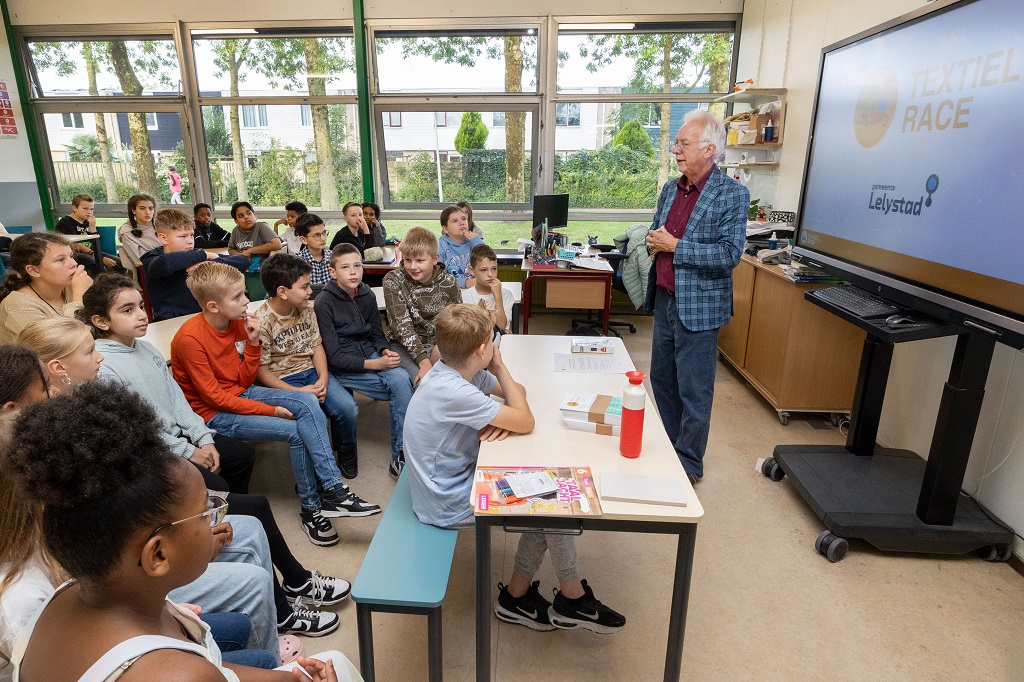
129, 521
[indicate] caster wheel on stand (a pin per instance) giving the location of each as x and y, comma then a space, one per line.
771, 469
837, 419
831, 547
783, 418
995, 553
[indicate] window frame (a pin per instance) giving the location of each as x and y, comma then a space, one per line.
451, 106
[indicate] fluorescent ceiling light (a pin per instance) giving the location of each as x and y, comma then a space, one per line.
223, 31
596, 28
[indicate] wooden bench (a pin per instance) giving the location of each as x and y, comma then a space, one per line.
405, 570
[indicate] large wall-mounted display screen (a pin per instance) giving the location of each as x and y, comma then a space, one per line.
916, 164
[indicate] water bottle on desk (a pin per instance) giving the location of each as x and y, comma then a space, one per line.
634, 399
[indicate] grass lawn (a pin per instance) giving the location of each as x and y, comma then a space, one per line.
498, 233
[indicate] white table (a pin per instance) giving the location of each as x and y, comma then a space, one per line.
517, 296
93, 237
530, 361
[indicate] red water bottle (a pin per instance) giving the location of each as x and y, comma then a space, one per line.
631, 433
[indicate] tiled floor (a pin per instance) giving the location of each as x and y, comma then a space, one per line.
763, 604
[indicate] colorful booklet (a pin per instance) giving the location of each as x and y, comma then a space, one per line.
575, 495
592, 407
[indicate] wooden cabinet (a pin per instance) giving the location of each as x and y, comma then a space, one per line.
799, 357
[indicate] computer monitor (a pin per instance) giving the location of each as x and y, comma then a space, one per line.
553, 207
912, 187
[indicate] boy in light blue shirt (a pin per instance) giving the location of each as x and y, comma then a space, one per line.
448, 416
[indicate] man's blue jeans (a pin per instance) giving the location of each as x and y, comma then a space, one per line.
339, 405
683, 378
392, 385
307, 435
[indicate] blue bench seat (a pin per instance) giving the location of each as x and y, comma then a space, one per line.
405, 570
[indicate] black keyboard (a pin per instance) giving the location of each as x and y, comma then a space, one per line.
856, 301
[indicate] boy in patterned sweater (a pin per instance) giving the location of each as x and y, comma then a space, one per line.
414, 295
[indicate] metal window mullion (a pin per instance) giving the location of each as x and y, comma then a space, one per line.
97, 32
636, 97
275, 99
107, 104
450, 103
200, 185
548, 88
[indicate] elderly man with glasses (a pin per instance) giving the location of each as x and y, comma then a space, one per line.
696, 240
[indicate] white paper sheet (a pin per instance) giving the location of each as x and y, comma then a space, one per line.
591, 364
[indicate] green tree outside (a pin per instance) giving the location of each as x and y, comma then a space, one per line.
472, 133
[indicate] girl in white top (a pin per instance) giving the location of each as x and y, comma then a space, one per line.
138, 235
129, 521
27, 572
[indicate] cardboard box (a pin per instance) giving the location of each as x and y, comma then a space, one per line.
747, 137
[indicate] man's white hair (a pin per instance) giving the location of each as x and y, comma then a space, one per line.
713, 132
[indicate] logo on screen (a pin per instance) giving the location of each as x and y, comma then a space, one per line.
875, 108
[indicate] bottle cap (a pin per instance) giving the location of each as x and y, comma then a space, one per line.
635, 377
773, 236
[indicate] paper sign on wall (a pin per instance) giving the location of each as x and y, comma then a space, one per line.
8, 124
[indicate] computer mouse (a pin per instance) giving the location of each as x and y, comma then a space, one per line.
900, 321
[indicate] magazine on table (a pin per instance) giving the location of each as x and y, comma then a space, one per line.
563, 491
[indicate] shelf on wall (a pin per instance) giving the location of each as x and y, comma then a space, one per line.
754, 96
749, 166
759, 145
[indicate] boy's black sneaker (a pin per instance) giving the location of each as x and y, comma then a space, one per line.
303, 621
343, 502
396, 466
586, 612
348, 463
530, 610
318, 529
320, 590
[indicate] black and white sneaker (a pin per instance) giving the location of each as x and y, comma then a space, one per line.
348, 463
586, 612
530, 610
343, 502
320, 590
318, 529
396, 466
303, 621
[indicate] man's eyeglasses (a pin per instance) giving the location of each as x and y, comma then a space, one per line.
216, 510
317, 235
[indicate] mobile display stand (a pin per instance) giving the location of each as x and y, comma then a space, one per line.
888, 497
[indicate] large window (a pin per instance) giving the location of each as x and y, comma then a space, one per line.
131, 156
283, 159
484, 111
620, 154
639, 58
622, 93
255, 66
427, 164
467, 60
65, 68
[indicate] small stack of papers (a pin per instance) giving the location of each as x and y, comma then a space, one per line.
805, 275
592, 412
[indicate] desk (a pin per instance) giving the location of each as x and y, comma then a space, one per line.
382, 268
94, 237
218, 251
529, 359
577, 293
161, 333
